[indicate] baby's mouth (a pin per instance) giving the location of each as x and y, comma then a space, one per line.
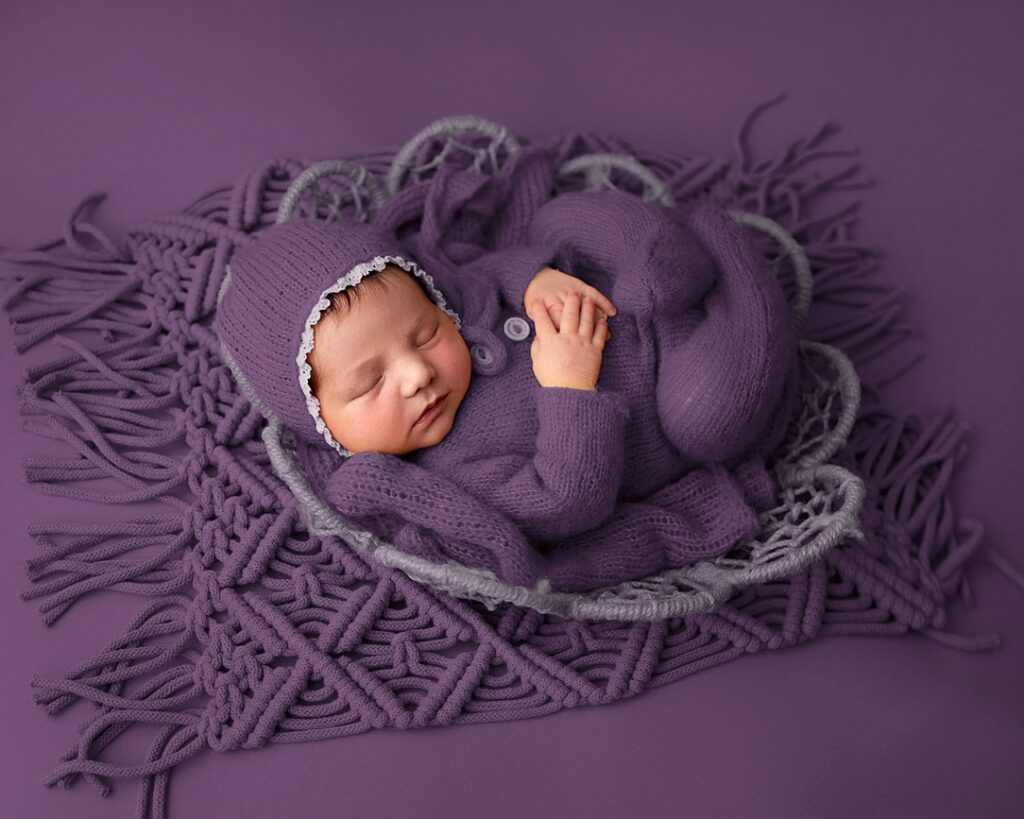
430, 412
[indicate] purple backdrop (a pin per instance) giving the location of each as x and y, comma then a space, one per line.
156, 106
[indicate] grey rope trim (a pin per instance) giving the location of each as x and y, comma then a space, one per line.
846, 524
452, 126
361, 177
804, 280
849, 390
597, 166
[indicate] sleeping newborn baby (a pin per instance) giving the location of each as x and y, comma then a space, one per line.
557, 426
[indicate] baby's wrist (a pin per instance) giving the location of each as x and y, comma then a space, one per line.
571, 385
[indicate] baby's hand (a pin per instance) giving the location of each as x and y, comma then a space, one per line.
569, 356
551, 287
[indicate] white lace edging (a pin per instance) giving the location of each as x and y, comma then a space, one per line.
354, 276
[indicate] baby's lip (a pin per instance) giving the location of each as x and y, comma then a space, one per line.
431, 406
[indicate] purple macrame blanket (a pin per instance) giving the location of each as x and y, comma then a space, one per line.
259, 632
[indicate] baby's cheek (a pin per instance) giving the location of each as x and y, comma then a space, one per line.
330, 412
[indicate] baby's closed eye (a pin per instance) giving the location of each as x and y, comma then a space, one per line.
365, 388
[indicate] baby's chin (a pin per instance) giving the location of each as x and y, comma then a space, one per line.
441, 427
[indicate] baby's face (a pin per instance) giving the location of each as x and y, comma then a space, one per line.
381, 362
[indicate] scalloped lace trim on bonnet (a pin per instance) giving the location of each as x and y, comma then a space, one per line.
354, 276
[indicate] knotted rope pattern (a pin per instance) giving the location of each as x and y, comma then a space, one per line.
261, 631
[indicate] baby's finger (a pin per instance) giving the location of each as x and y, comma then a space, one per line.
603, 301
541, 319
587, 318
571, 313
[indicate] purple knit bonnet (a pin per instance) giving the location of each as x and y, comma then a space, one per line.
276, 288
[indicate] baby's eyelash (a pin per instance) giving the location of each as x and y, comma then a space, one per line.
361, 393
433, 335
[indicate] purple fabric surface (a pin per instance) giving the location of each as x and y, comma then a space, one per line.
843, 727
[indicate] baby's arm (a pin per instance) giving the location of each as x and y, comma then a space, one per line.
374, 490
570, 482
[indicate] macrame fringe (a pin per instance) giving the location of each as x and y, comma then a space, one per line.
233, 664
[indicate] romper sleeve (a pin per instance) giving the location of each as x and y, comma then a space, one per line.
381, 491
570, 480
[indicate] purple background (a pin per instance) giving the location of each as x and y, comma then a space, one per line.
156, 106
